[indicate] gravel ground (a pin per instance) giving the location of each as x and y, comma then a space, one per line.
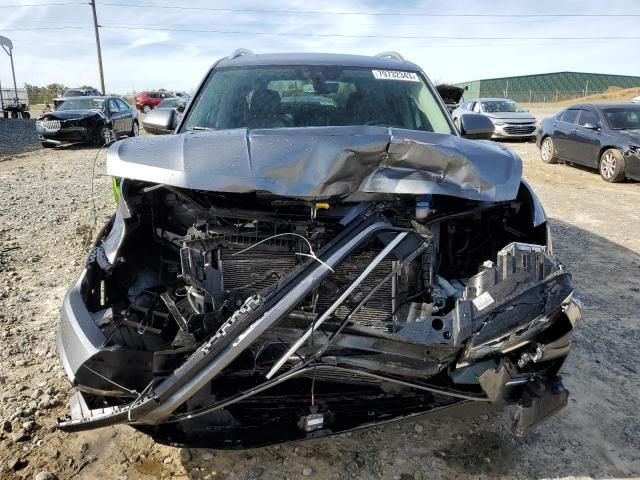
46, 222
17, 136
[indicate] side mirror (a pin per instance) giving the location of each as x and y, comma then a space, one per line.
160, 121
475, 126
591, 126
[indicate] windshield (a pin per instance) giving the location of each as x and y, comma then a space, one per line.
82, 104
315, 96
623, 118
499, 106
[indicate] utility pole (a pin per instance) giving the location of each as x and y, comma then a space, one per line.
95, 26
7, 46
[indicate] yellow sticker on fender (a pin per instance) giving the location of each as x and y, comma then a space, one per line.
395, 75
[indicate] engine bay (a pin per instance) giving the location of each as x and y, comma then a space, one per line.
201, 257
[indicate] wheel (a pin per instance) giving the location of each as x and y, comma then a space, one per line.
47, 145
146, 109
135, 130
612, 166
14, 114
26, 115
107, 135
548, 151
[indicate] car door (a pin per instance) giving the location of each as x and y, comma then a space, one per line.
127, 115
116, 116
583, 142
562, 126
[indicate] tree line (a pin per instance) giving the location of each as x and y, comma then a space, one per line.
46, 94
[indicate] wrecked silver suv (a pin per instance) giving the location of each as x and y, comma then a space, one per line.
316, 249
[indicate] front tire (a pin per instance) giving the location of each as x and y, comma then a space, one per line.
611, 166
107, 135
146, 109
25, 115
548, 151
135, 129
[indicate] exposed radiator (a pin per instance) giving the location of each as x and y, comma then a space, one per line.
255, 269
258, 269
379, 307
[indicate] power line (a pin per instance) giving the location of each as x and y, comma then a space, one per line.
384, 14
251, 23
18, 5
325, 35
339, 35
43, 28
327, 12
170, 44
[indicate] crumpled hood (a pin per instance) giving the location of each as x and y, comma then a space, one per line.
70, 114
520, 116
322, 162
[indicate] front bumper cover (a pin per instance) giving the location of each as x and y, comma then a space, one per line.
514, 130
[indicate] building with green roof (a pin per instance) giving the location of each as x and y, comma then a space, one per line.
547, 87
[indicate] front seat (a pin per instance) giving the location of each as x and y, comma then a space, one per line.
264, 110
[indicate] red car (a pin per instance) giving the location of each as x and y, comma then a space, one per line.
146, 101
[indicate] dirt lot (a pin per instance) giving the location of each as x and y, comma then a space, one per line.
46, 219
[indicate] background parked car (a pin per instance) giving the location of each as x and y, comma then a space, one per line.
605, 136
635, 100
97, 120
146, 101
175, 103
509, 119
76, 92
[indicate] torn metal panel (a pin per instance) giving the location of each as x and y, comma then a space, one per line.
322, 162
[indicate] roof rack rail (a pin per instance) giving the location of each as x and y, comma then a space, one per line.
391, 54
240, 52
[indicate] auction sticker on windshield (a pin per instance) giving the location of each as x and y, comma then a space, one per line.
395, 75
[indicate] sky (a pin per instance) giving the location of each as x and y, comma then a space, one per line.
146, 46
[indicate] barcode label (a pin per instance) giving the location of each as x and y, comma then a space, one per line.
395, 75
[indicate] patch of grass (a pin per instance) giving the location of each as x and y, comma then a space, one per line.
613, 94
